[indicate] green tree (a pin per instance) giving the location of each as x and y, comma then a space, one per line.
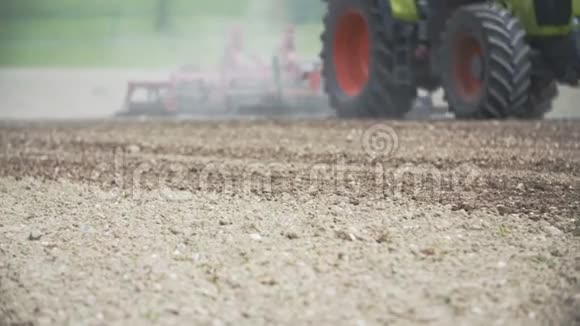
163, 20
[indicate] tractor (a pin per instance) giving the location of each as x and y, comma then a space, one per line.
501, 59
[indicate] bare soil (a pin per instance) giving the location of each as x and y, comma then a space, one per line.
301, 222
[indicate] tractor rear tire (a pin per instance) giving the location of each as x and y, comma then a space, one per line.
486, 64
355, 56
576, 32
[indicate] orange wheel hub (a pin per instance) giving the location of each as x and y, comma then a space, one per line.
351, 52
468, 67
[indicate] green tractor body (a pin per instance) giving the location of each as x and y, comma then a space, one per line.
493, 59
526, 10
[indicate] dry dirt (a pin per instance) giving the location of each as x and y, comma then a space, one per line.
303, 222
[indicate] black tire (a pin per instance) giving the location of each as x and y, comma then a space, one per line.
540, 101
376, 96
486, 64
576, 33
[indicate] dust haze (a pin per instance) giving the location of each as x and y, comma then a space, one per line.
58, 92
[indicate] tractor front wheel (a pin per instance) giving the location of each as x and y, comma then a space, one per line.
355, 58
541, 99
486, 63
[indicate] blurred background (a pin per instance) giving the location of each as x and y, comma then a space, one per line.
64, 59
73, 58
146, 33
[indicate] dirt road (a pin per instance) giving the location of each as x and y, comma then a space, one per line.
435, 223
